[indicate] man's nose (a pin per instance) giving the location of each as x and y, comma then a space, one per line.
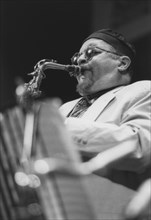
81, 59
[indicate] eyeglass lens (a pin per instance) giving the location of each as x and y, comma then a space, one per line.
89, 53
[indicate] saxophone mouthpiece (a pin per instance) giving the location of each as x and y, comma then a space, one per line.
73, 70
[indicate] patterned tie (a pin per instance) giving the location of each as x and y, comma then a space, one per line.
80, 108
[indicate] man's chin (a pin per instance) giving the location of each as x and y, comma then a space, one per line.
83, 88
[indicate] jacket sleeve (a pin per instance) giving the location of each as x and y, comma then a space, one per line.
93, 137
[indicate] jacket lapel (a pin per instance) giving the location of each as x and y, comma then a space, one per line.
99, 105
96, 108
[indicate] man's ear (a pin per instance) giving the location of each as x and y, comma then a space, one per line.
125, 62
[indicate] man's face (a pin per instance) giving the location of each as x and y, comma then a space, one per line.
100, 72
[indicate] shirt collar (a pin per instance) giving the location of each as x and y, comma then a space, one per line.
96, 95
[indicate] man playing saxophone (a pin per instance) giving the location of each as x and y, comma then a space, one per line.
113, 114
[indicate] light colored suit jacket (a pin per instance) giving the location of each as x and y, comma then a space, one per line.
121, 117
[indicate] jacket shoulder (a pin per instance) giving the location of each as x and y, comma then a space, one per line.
140, 86
137, 89
137, 93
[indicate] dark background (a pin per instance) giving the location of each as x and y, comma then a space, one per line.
35, 30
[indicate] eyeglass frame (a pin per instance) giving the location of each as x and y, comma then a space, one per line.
88, 59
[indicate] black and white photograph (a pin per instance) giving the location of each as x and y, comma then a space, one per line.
75, 109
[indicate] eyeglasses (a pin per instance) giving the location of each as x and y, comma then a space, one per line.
89, 53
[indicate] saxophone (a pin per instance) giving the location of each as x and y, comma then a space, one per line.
31, 90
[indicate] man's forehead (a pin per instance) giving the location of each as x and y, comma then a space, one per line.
93, 42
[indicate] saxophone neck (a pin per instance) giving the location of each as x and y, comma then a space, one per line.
52, 64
